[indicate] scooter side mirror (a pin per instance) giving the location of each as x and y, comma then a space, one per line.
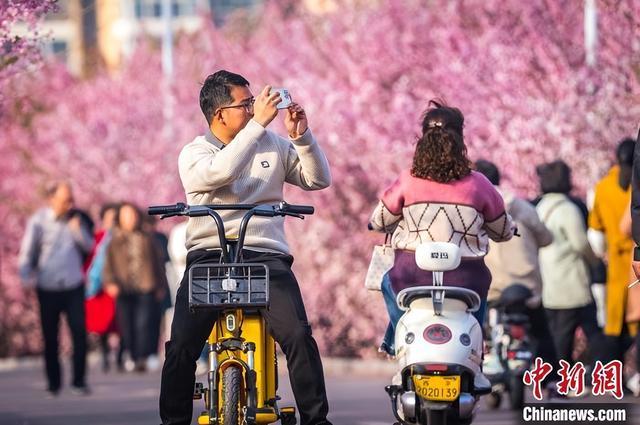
438, 256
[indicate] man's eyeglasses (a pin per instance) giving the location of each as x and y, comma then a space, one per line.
248, 106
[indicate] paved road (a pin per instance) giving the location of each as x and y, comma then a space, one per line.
132, 399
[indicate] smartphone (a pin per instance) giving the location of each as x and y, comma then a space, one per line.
285, 98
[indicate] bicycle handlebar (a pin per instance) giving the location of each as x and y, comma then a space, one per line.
266, 210
167, 209
202, 210
300, 209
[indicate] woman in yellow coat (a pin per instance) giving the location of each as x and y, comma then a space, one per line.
612, 197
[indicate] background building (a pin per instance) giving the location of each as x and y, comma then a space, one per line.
87, 33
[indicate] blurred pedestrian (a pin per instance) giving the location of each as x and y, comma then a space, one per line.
178, 254
564, 264
175, 270
612, 198
162, 305
100, 306
134, 275
599, 272
50, 260
516, 261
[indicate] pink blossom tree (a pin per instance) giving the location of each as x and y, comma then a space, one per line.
20, 50
364, 74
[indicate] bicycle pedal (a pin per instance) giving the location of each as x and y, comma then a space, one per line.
273, 401
288, 416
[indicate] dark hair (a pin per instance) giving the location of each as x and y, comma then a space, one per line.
624, 151
555, 177
135, 208
107, 207
216, 91
489, 170
441, 154
85, 218
51, 187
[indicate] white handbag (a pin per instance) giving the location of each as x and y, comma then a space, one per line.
381, 262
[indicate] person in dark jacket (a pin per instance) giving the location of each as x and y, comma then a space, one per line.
135, 275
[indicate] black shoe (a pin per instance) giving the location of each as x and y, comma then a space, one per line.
141, 366
52, 393
82, 390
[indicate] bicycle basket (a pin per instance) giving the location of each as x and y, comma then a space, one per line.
215, 285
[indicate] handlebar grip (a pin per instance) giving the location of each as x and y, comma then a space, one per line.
300, 209
166, 209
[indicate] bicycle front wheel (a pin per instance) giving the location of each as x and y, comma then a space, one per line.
231, 400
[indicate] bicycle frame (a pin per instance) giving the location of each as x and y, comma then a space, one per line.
257, 360
239, 338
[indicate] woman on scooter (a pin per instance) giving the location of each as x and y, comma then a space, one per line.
440, 199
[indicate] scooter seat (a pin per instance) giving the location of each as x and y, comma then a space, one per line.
469, 297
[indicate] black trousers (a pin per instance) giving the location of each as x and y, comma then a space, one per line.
287, 321
52, 305
134, 312
564, 323
544, 346
616, 346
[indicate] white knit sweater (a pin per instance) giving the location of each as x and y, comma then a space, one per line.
251, 169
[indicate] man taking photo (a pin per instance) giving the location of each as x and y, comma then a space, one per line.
239, 161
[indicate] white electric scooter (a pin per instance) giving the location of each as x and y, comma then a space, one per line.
438, 347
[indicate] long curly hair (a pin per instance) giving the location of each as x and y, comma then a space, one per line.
441, 154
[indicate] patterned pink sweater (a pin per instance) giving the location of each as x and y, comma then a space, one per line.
466, 212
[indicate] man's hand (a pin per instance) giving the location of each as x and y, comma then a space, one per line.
295, 121
264, 108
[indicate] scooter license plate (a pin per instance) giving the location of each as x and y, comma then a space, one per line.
438, 388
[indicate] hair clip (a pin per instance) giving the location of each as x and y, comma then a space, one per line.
434, 124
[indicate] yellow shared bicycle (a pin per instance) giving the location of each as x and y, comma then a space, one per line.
242, 379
